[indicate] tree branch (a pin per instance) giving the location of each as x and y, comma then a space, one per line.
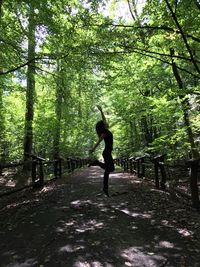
130, 9
162, 27
183, 36
134, 50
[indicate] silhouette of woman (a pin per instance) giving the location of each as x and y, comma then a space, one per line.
108, 164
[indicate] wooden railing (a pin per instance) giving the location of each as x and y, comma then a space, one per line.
139, 166
42, 169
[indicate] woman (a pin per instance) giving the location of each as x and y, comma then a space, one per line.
104, 134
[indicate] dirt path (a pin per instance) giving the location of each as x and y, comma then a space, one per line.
69, 224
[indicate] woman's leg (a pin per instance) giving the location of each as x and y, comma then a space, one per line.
97, 163
105, 182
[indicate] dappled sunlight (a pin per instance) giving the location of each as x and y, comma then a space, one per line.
91, 264
79, 204
136, 214
27, 263
77, 227
80, 227
158, 191
94, 172
119, 175
47, 188
135, 181
136, 257
22, 203
7, 182
10, 183
184, 232
166, 244
71, 248
90, 225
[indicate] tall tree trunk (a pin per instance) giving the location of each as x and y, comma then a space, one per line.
146, 130
131, 135
185, 108
30, 90
2, 130
2, 119
1, 3
136, 139
58, 113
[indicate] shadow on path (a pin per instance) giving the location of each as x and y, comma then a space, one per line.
69, 224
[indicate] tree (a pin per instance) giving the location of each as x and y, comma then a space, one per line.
30, 90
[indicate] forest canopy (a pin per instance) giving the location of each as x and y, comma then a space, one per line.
139, 60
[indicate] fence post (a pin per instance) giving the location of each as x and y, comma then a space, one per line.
163, 175
143, 166
56, 168
60, 167
131, 164
1, 169
194, 163
156, 169
41, 173
123, 163
33, 171
138, 167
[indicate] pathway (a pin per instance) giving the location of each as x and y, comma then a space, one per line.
67, 224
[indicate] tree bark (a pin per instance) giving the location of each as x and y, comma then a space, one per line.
2, 131
1, 3
30, 89
185, 107
58, 115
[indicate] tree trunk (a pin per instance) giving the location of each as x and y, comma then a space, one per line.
1, 3
30, 90
2, 118
2, 131
147, 130
185, 107
58, 113
132, 143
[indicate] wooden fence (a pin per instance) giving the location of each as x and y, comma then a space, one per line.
42, 170
139, 166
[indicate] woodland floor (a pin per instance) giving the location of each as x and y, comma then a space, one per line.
68, 224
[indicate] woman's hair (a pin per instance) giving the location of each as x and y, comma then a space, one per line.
100, 127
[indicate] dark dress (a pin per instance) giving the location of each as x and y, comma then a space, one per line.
107, 153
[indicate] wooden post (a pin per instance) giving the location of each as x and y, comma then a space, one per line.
127, 164
33, 171
60, 167
68, 164
71, 165
55, 168
143, 167
156, 173
41, 173
131, 164
138, 167
124, 164
194, 163
163, 175
1, 169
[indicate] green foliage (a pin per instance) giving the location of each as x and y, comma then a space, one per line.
83, 59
